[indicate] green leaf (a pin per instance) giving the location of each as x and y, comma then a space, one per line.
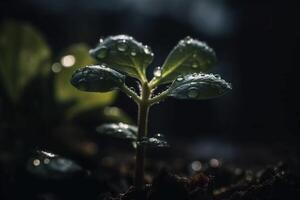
198, 86
120, 130
157, 141
97, 78
24, 55
123, 53
65, 92
188, 56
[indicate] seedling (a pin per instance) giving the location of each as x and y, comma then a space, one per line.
183, 74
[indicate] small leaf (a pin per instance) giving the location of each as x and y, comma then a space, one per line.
198, 86
157, 141
97, 78
65, 92
125, 54
51, 166
120, 130
188, 56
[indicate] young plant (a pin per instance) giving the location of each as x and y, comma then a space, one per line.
183, 73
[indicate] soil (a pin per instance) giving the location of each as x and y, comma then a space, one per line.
273, 183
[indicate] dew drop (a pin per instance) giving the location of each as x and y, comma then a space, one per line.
51, 155
189, 41
193, 92
133, 53
122, 46
147, 50
157, 72
159, 135
102, 53
194, 65
119, 130
188, 38
217, 76
132, 89
179, 79
194, 55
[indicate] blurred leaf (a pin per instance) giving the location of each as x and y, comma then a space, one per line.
50, 166
188, 56
24, 55
115, 114
123, 53
97, 78
198, 86
120, 130
65, 92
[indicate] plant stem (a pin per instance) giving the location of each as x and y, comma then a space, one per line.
131, 93
159, 97
143, 111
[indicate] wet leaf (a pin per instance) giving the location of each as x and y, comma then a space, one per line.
65, 92
97, 78
198, 86
123, 53
188, 56
119, 130
51, 166
24, 55
157, 141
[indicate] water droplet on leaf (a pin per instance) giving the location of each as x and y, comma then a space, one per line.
193, 92
179, 78
147, 50
133, 53
122, 46
195, 65
157, 72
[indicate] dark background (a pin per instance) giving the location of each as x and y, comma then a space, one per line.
255, 43
257, 123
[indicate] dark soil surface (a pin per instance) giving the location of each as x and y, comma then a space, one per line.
274, 183
169, 174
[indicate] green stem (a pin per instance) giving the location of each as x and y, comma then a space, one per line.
131, 94
159, 97
143, 111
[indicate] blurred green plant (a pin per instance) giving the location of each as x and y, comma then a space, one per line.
122, 56
24, 55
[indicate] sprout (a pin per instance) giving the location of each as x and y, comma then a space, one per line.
184, 70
